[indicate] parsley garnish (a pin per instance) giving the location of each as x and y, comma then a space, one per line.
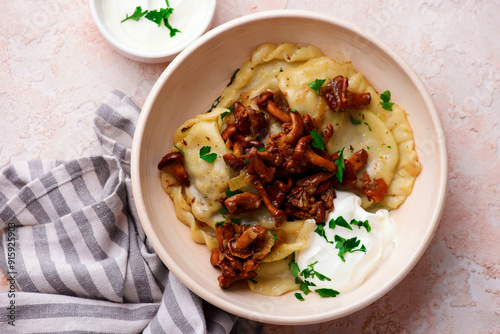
340, 165
310, 272
226, 113
305, 284
253, 281
173, 31
299, 296
368, 125
136, 16
327, 292
348, 246
293, 110
224, 212
388, 146
156, 16
206, 155
220, 223
355, 121
386, 97
180, 151
294, 267
317, 140
321, 230
275, 237
230, 193
316, 84
261, 149
360, 224
340, 221
232, 77
236, 221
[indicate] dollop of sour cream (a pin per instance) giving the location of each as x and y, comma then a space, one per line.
188, 16
345, 276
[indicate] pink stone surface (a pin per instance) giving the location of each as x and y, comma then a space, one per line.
56, 68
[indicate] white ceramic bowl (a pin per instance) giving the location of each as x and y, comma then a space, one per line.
120, 44
188, 87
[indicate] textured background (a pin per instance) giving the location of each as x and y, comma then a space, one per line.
56, 68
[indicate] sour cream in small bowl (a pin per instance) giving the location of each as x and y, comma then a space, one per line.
142, 39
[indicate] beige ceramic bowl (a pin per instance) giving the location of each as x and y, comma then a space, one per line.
188, 87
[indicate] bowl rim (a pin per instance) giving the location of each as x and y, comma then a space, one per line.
177, 270
145, 55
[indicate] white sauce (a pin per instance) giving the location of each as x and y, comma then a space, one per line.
189, 16
347, 275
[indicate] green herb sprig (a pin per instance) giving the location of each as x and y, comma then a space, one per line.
206, 155
304, 284
355, 121
316, 84
340, 165
136, 16
386, 97
348, 246
157, 16
317, 140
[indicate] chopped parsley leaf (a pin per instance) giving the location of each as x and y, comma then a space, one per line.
180, 151
327, 292
157, 16
173, 31
220, 223
275, 237
368, 125
360, 224
136, 16
320, 230
304, 286
340, 165
355, 121
253, 281
386, 97
261, 149
299, 296
293, 110
226, 113
231, 193
232, 77
316, 84
348, 246
236, 221
340, 221
294, 267
310, 272
206, 155
317, 140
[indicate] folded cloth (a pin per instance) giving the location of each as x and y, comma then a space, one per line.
75, 254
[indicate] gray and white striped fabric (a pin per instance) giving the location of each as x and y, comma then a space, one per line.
75, 254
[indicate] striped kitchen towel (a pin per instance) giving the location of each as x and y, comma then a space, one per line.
75, 254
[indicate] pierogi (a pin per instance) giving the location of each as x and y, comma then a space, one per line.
286, 71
